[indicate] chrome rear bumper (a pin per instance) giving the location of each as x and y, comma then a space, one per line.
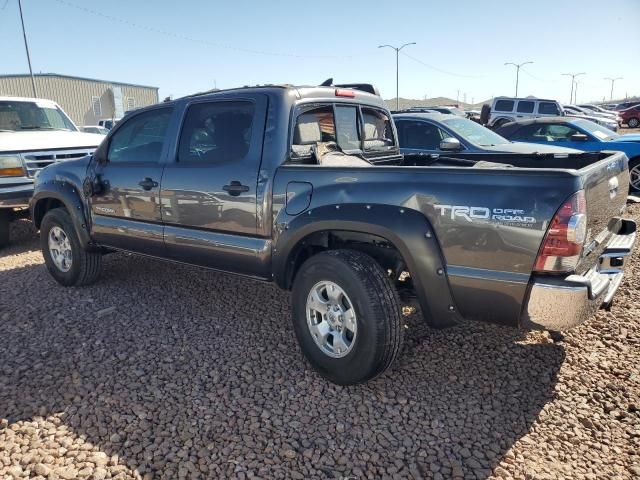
559, 303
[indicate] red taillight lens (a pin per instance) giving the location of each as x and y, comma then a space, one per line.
345, 92
562, 245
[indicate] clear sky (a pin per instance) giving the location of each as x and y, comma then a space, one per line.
193, 45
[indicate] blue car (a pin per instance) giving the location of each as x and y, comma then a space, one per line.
453, 135
580, 134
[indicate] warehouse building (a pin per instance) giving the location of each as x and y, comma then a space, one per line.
86, 100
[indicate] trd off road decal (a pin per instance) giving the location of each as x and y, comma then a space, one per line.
504, 216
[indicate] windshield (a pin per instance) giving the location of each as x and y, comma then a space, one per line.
474, 132
598, 131
20, 116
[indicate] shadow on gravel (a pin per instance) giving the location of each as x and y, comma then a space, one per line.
181, 371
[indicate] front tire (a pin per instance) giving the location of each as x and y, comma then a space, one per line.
346, 316
633, 122
5, 222
66, 260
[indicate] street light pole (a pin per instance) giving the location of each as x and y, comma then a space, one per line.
26, 47
573, 79
613, 80
517, 65
397, 49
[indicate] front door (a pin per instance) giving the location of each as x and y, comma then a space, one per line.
209, 188
126, 212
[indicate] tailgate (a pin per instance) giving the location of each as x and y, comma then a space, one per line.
606, 185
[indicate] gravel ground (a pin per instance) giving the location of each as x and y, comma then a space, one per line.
164, 371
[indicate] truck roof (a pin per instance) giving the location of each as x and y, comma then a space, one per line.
303, 92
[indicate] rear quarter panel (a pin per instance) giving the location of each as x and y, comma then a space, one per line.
489, 224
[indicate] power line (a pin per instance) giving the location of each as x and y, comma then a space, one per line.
432, 67
196, 40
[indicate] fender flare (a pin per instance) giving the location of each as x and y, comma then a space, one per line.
73, 200
408, 230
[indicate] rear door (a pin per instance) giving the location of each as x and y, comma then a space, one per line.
209, 186
126, 213
548, 109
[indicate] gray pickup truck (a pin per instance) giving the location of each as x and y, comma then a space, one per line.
306, 187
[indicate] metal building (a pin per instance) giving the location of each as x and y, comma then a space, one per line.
86, 100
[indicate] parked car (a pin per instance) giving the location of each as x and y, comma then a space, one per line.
438, 134
94, 129
108, 123
598, 108
309, 190
577, 133
605, 120
34, 133
508, 109
625, 105
630, 116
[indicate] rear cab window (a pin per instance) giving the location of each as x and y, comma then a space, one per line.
358, 130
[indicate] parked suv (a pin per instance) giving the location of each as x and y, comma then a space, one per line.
306, 187
509, 109
34, 133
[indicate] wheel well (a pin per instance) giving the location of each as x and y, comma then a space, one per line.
43, 206
379, 248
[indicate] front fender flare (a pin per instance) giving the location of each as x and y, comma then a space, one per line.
71, 197
408, 230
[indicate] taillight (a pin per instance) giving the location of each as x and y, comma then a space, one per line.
562, 245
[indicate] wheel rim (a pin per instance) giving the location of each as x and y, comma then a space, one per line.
633, 123
331, 319
60, 249
634, 177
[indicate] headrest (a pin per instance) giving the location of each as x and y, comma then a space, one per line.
307, 130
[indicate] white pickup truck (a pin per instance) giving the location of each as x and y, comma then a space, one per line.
34, 133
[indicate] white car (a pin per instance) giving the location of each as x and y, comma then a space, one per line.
108, 123
34, 133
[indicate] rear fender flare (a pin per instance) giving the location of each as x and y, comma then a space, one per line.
408, 230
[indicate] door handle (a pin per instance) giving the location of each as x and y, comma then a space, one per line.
148, 184
235, 188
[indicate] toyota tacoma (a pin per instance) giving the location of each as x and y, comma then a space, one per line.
306, 187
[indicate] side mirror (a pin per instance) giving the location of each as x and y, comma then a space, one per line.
100, 155
579, 137
450, 144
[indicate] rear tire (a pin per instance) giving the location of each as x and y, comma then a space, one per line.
499, 123
634, 176
66, 260
5, 223
363, 324
633, 122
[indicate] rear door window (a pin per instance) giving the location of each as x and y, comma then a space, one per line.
525, 107
216, 132
504, 106
548, 108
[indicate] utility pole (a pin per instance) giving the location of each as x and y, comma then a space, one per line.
575, 94
397, 49
613, 80
26, 47
517, 65
573, 80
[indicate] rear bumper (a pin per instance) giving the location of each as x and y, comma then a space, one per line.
559, 303
16, 196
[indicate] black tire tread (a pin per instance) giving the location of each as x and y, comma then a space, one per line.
5, 227
383, 300
90, 262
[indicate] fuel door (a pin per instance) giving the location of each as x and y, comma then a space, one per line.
298, 197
